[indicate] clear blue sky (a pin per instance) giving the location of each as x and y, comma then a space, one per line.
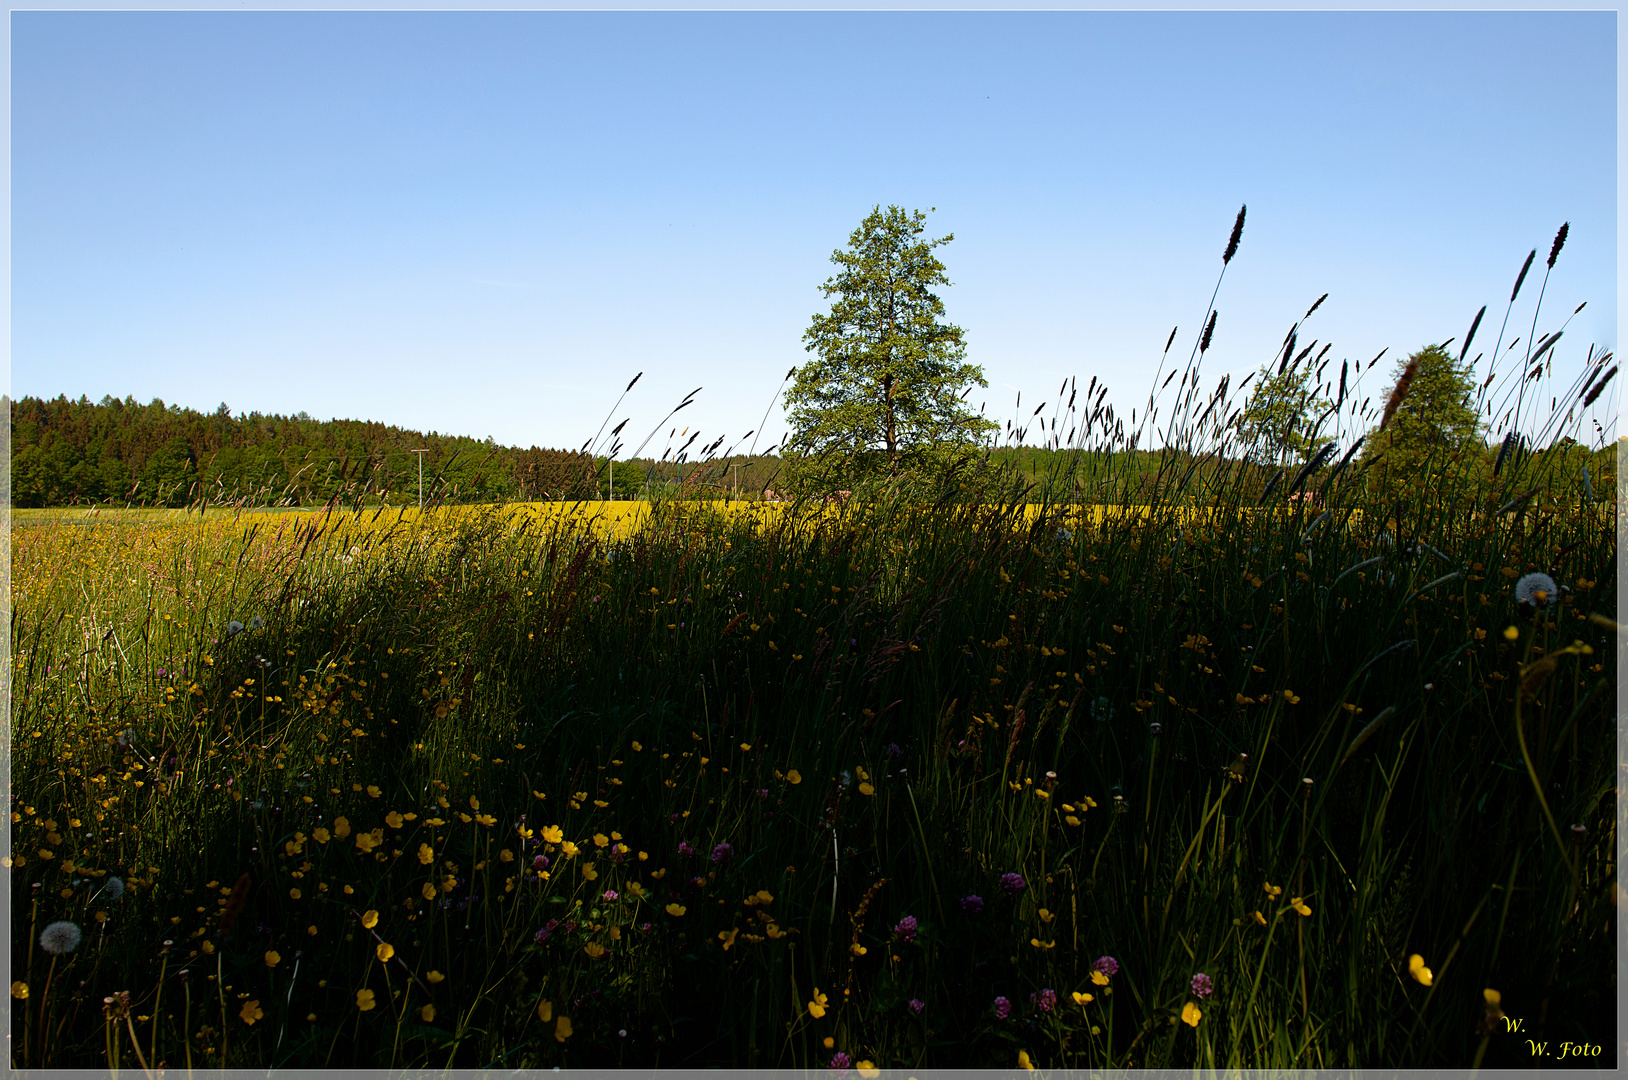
486, 224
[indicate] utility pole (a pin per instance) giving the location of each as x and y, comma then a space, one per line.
613, 479
420, 454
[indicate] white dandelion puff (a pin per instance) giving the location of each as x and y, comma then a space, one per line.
1536, 589
113, 888
60, 937
234, 628
256, 623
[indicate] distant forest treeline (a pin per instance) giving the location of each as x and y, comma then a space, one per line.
67, 452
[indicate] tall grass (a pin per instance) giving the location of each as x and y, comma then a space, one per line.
936, 777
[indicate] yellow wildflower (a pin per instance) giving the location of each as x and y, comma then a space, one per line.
364, 1000
816, 1008
251, 1011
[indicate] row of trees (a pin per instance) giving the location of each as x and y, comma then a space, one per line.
882, 398
884, 393
68, 452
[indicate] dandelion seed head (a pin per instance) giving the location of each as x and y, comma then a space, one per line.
1528, 588
60, 937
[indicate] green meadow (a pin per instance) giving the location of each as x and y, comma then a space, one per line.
910, 781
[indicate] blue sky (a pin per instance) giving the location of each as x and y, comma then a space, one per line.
486, 224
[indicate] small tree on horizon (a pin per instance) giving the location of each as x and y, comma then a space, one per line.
1436, 419
1280, 419
884, 391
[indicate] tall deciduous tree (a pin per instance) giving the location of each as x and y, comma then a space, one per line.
1435, 419
884, 392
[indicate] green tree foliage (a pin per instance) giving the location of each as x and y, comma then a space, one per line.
68, 452
1436, 422
1280, 420
884, 392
